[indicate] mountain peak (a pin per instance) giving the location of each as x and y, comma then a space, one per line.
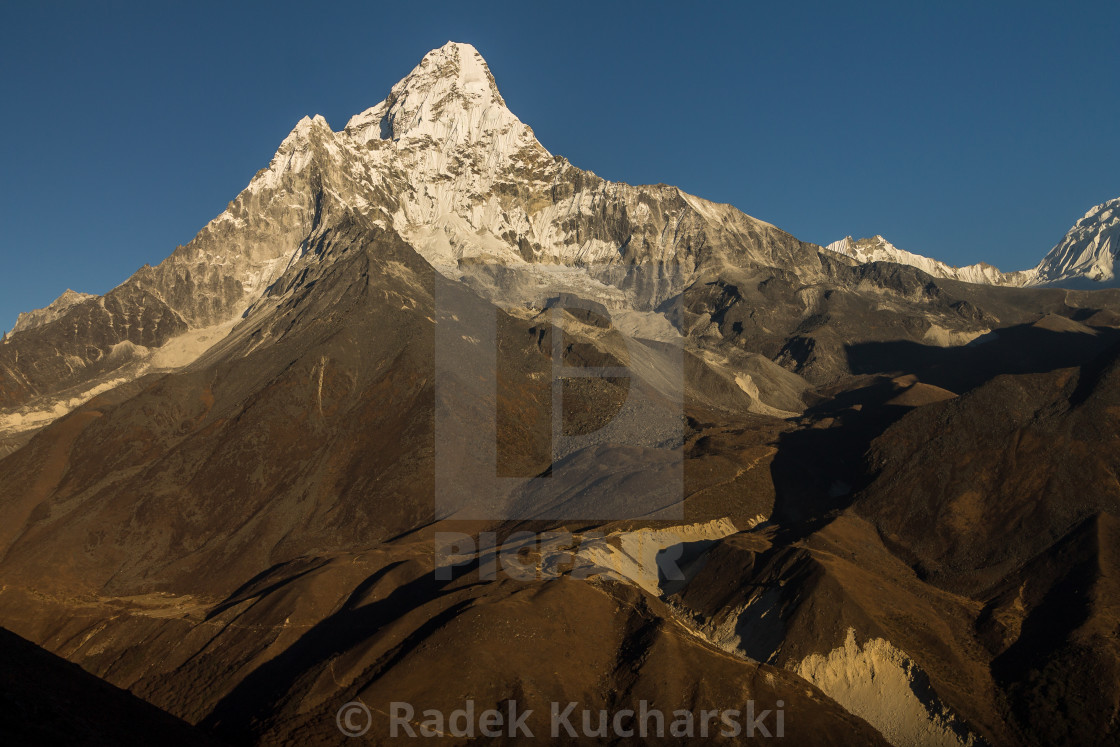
466, 68
55, 310
1091, 249
1106, 211
450, 97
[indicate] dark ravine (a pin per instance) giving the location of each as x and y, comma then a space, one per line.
46, 700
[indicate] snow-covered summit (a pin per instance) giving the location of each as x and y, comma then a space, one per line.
1088, 251
450, 99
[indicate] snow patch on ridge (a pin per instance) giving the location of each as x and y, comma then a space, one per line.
653, 558
881, 685
136, 360
44, 413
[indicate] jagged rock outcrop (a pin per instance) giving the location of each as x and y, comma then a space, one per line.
48, 314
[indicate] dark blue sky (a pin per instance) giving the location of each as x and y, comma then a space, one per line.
968, 133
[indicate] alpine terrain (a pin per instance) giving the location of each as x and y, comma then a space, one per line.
430, 415
1085, 257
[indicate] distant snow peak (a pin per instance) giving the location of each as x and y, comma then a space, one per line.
878, 249
1086, 258
1088, 251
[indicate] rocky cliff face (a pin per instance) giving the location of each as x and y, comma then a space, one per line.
58, 307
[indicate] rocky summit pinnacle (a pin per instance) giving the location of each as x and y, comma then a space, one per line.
58, 307
450, 98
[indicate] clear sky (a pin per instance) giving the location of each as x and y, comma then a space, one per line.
965, 131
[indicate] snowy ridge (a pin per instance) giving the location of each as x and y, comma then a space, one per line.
878, 249
1085, 258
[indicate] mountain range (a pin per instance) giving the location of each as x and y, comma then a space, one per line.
892, 484
1085, 258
